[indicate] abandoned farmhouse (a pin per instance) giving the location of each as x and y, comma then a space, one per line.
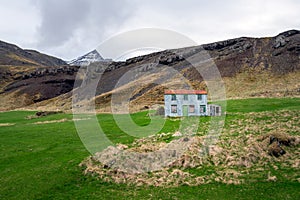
180, 103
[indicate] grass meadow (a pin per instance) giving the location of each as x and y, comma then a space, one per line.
41, 160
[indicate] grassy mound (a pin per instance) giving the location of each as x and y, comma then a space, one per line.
250, 148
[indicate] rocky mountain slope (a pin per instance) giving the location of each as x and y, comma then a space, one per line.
250, 67
13, 55
28, 76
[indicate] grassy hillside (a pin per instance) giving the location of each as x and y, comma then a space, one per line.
40, 157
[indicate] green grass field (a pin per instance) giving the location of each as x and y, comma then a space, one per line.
40, 161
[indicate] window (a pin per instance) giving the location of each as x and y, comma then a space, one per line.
217, 110
185, 97
191, 109
202, 109
199, 96
173, 108
212, 111
173, 98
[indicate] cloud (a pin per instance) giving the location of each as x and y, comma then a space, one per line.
210, 21
68, 25
60, 19
68, 28
18, 22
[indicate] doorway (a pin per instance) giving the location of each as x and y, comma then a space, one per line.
185, 110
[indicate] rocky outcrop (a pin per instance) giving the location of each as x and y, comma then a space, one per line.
36, 85
170, 58
52, 71
288, 41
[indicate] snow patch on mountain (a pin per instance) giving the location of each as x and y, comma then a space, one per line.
87, 59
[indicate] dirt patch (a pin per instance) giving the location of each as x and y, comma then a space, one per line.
62, 120
52, 121
6, 124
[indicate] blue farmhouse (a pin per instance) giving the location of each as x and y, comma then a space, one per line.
180, 103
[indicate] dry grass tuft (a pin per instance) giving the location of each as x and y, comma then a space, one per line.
52, 121
243, 148
7, 124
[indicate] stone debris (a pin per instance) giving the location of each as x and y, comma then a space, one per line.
177, 134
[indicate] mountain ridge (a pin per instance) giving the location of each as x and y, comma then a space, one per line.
11, 54
248, 62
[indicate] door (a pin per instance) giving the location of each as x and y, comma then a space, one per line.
202, 109
185, 110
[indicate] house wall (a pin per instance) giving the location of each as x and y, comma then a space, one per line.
180, 102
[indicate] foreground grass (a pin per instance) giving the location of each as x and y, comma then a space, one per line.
41, 161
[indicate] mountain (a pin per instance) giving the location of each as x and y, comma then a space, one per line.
87, 59
250, 67
28, 76
13, 55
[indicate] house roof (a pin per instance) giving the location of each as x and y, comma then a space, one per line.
185, 92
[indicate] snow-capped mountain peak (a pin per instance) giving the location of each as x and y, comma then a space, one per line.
87, 59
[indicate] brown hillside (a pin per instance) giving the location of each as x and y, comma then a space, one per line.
250, 67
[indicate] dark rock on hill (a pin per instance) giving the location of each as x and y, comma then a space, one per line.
42, 83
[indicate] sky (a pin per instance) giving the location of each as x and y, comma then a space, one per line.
70, 28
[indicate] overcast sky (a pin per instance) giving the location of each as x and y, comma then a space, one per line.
70, 28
